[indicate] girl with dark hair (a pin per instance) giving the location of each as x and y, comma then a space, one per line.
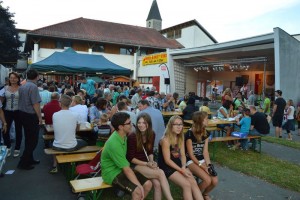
172, 160
11, 112
140, 155
198, 161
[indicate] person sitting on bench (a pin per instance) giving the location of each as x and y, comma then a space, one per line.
116, 169
259, 124
65, 123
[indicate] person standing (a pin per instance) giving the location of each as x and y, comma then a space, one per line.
89, 86
30, 115
278, 112
251, 98
298, 117
115, 167
11, 112
266, 105
289, 112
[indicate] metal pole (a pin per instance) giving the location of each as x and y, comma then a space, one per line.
264, 83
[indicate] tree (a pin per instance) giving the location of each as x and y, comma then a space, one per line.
9, 38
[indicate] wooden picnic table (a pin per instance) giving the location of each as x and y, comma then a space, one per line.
83, 128
171, 113
214, 122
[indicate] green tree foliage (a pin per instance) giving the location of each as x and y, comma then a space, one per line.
9, 39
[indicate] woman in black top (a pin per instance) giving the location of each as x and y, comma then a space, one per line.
198, 161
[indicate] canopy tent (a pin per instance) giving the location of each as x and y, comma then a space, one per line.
71, 62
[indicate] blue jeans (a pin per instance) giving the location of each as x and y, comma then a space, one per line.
254, 132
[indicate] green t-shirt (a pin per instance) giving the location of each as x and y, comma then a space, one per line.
267, 101
113, 158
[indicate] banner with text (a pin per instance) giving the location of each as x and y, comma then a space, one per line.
155, 59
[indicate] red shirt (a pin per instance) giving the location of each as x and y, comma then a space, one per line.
49, 109
132, 151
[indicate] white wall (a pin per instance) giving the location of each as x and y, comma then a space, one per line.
193, 36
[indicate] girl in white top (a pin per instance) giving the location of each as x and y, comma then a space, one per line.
289, 112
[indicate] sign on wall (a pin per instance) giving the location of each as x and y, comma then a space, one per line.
155, 59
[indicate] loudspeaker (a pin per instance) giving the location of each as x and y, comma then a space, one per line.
245, 79
239, 81
167, 81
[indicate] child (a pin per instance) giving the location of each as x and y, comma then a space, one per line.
245, 124
104, 129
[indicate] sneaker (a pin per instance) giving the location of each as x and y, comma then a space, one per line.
54, 170
16, 153
8, 152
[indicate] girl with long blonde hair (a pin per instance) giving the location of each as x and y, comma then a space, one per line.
172, 160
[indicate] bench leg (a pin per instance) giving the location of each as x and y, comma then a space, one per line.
214, 150
94, 194
259, 144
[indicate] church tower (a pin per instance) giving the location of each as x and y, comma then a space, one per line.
154, 19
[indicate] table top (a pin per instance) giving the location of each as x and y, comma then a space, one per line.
171, 113
83, 128
75, 157
214, 122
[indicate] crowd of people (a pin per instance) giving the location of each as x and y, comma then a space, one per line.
140, 152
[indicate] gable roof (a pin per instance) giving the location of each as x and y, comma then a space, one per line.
188, 24
154, 12
106, 32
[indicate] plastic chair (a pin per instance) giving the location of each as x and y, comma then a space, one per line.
92, 169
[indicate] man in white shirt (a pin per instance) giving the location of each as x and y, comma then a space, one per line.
65, 123
80, 109
136, 98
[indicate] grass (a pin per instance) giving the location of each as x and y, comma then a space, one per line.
270, 169
292, 144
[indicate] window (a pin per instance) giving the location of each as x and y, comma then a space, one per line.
59, 45
98, 48
125, 51
149, 24
142, 52
174, 34
147, 80
63, 44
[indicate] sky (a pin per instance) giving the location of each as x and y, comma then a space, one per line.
224, 20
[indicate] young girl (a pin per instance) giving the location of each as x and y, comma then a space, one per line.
140, 155
289, 112
198, 161
172, 160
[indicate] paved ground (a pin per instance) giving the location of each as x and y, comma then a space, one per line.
38, 184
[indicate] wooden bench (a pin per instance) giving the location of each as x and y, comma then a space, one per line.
215, 140
70, 160
94, 186
50, 151
48, 137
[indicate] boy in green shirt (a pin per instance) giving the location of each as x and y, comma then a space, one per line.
115, 167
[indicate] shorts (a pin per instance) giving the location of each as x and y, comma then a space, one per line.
277, 120
190, 162
123, 183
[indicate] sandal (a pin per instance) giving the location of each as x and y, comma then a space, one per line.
206, 197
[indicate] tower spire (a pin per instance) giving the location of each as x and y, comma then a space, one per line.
154, 19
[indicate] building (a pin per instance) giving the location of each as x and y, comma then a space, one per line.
264, 63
